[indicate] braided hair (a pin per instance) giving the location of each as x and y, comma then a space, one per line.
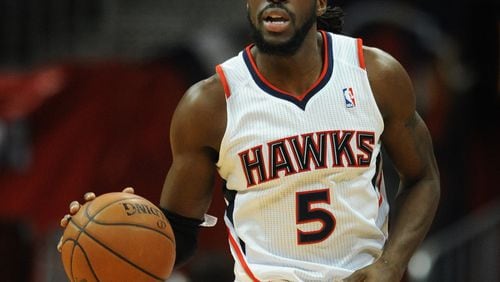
332, 20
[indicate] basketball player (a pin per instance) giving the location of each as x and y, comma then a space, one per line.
294, 125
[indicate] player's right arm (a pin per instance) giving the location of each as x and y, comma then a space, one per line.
196, 131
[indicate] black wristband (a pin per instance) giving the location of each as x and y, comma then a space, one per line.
186, 235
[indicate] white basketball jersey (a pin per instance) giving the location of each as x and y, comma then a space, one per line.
305, 197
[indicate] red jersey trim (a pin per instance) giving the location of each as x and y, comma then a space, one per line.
324, 71
379, 186
361, 56
240, 256
223, 80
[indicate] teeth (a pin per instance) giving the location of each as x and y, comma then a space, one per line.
275, 19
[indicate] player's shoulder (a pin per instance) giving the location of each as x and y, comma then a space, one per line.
380, 64
201, 114
204, 97
389, 80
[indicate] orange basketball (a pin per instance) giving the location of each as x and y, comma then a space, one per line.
118, 237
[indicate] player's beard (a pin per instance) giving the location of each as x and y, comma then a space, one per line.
289, 47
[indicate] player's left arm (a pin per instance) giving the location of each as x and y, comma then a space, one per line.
408, 143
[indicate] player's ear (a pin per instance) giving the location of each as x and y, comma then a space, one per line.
321, 7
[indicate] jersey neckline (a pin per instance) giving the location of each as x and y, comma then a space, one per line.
300, 101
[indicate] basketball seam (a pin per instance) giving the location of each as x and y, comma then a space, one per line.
86, 258
134, 225
82, 230
105, 207
91, 218
72, 254
87, 215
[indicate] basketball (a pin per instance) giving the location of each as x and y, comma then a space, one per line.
118, 237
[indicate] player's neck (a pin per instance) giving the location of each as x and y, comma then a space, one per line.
296, 73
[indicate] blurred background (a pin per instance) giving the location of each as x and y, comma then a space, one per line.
88, 87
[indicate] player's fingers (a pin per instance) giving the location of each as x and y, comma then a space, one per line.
59, 244
74, 207
89, 196
129, 190
65, 220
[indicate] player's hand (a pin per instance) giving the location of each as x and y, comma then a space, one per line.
379, 271
74, 207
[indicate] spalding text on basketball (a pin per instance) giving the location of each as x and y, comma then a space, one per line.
135, 208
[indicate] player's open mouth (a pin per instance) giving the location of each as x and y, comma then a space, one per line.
276, 20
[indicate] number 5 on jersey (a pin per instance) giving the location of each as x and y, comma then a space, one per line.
306, 213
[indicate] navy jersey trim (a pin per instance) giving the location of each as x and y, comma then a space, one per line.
302, 100
230, 196
378, 171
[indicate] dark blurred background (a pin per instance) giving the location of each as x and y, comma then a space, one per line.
88, 87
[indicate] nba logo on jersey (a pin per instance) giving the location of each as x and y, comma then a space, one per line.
350, 100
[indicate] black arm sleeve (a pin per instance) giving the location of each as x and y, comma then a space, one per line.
186, 235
